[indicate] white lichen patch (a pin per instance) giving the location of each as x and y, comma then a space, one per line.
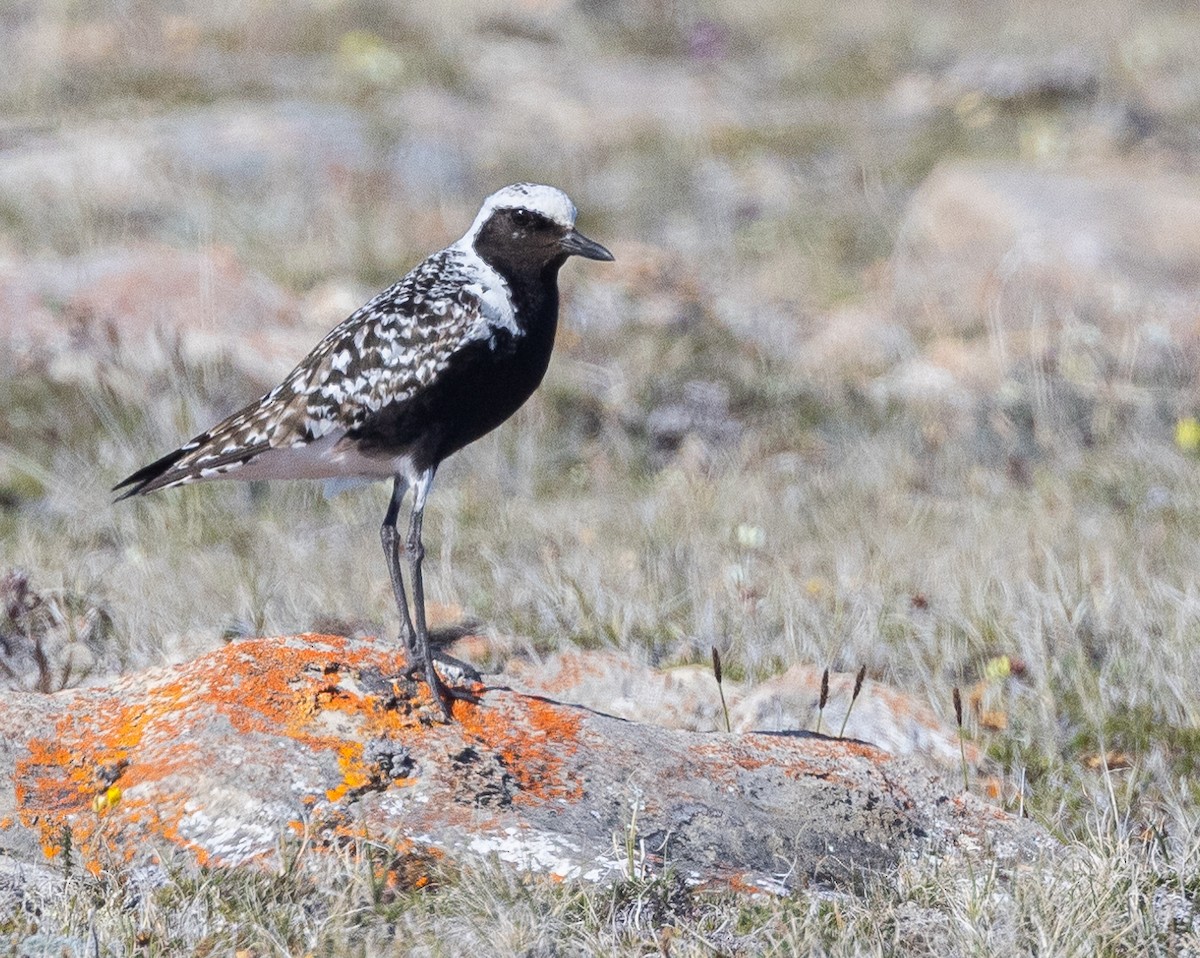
536, 851
233, 840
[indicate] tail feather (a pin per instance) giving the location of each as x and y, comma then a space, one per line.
229, 444
187, 464
151, 477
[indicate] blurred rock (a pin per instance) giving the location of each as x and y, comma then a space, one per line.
1018, 79
973, 363
244, 147
883, 716
269, 172
321, 742
919, 382
686, 697
151, 305
127, 294
854, 343
1033, 259
701, 411
237, 146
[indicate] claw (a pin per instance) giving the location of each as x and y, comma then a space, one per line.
444, 693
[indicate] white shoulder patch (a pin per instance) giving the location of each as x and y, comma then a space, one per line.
492, 291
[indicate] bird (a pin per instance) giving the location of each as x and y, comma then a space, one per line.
432, 363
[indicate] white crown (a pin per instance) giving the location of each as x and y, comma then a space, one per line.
550, 202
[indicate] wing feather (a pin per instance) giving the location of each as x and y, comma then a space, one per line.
395, 345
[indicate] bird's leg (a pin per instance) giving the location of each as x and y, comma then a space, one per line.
423, 653
390, 537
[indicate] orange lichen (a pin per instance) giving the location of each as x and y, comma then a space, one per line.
740, 885
533, 746
262, 687
354, 773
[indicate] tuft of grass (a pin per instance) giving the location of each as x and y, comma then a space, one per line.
716, 664
824, 698
962, 748
858, 684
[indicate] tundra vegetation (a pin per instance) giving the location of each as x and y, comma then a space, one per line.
804, 418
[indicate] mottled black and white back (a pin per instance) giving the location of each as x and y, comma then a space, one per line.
429, 365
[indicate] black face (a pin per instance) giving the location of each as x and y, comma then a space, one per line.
521, 243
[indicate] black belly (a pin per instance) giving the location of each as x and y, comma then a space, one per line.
482, 386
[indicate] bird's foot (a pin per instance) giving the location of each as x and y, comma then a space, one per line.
459, 670
446, 695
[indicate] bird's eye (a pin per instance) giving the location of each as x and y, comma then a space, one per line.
522, 217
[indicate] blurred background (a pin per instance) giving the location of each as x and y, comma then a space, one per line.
896, 368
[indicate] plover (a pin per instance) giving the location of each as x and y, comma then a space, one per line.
429, 365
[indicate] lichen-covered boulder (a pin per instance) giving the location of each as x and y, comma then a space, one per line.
323, 740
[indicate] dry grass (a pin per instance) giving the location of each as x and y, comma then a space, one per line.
1082, 575
1117, 896
922, 539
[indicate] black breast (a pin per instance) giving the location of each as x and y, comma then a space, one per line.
483, 384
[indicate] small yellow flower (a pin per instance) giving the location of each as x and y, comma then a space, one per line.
106, 799
998, 668
1187, 434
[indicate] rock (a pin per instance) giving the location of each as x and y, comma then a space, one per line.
686, 697
151, 304
315, 741
1017, 80
1027, 256
887, 718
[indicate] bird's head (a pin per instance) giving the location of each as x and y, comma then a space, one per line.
526, 228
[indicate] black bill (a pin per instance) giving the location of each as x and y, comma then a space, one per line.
576, 244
